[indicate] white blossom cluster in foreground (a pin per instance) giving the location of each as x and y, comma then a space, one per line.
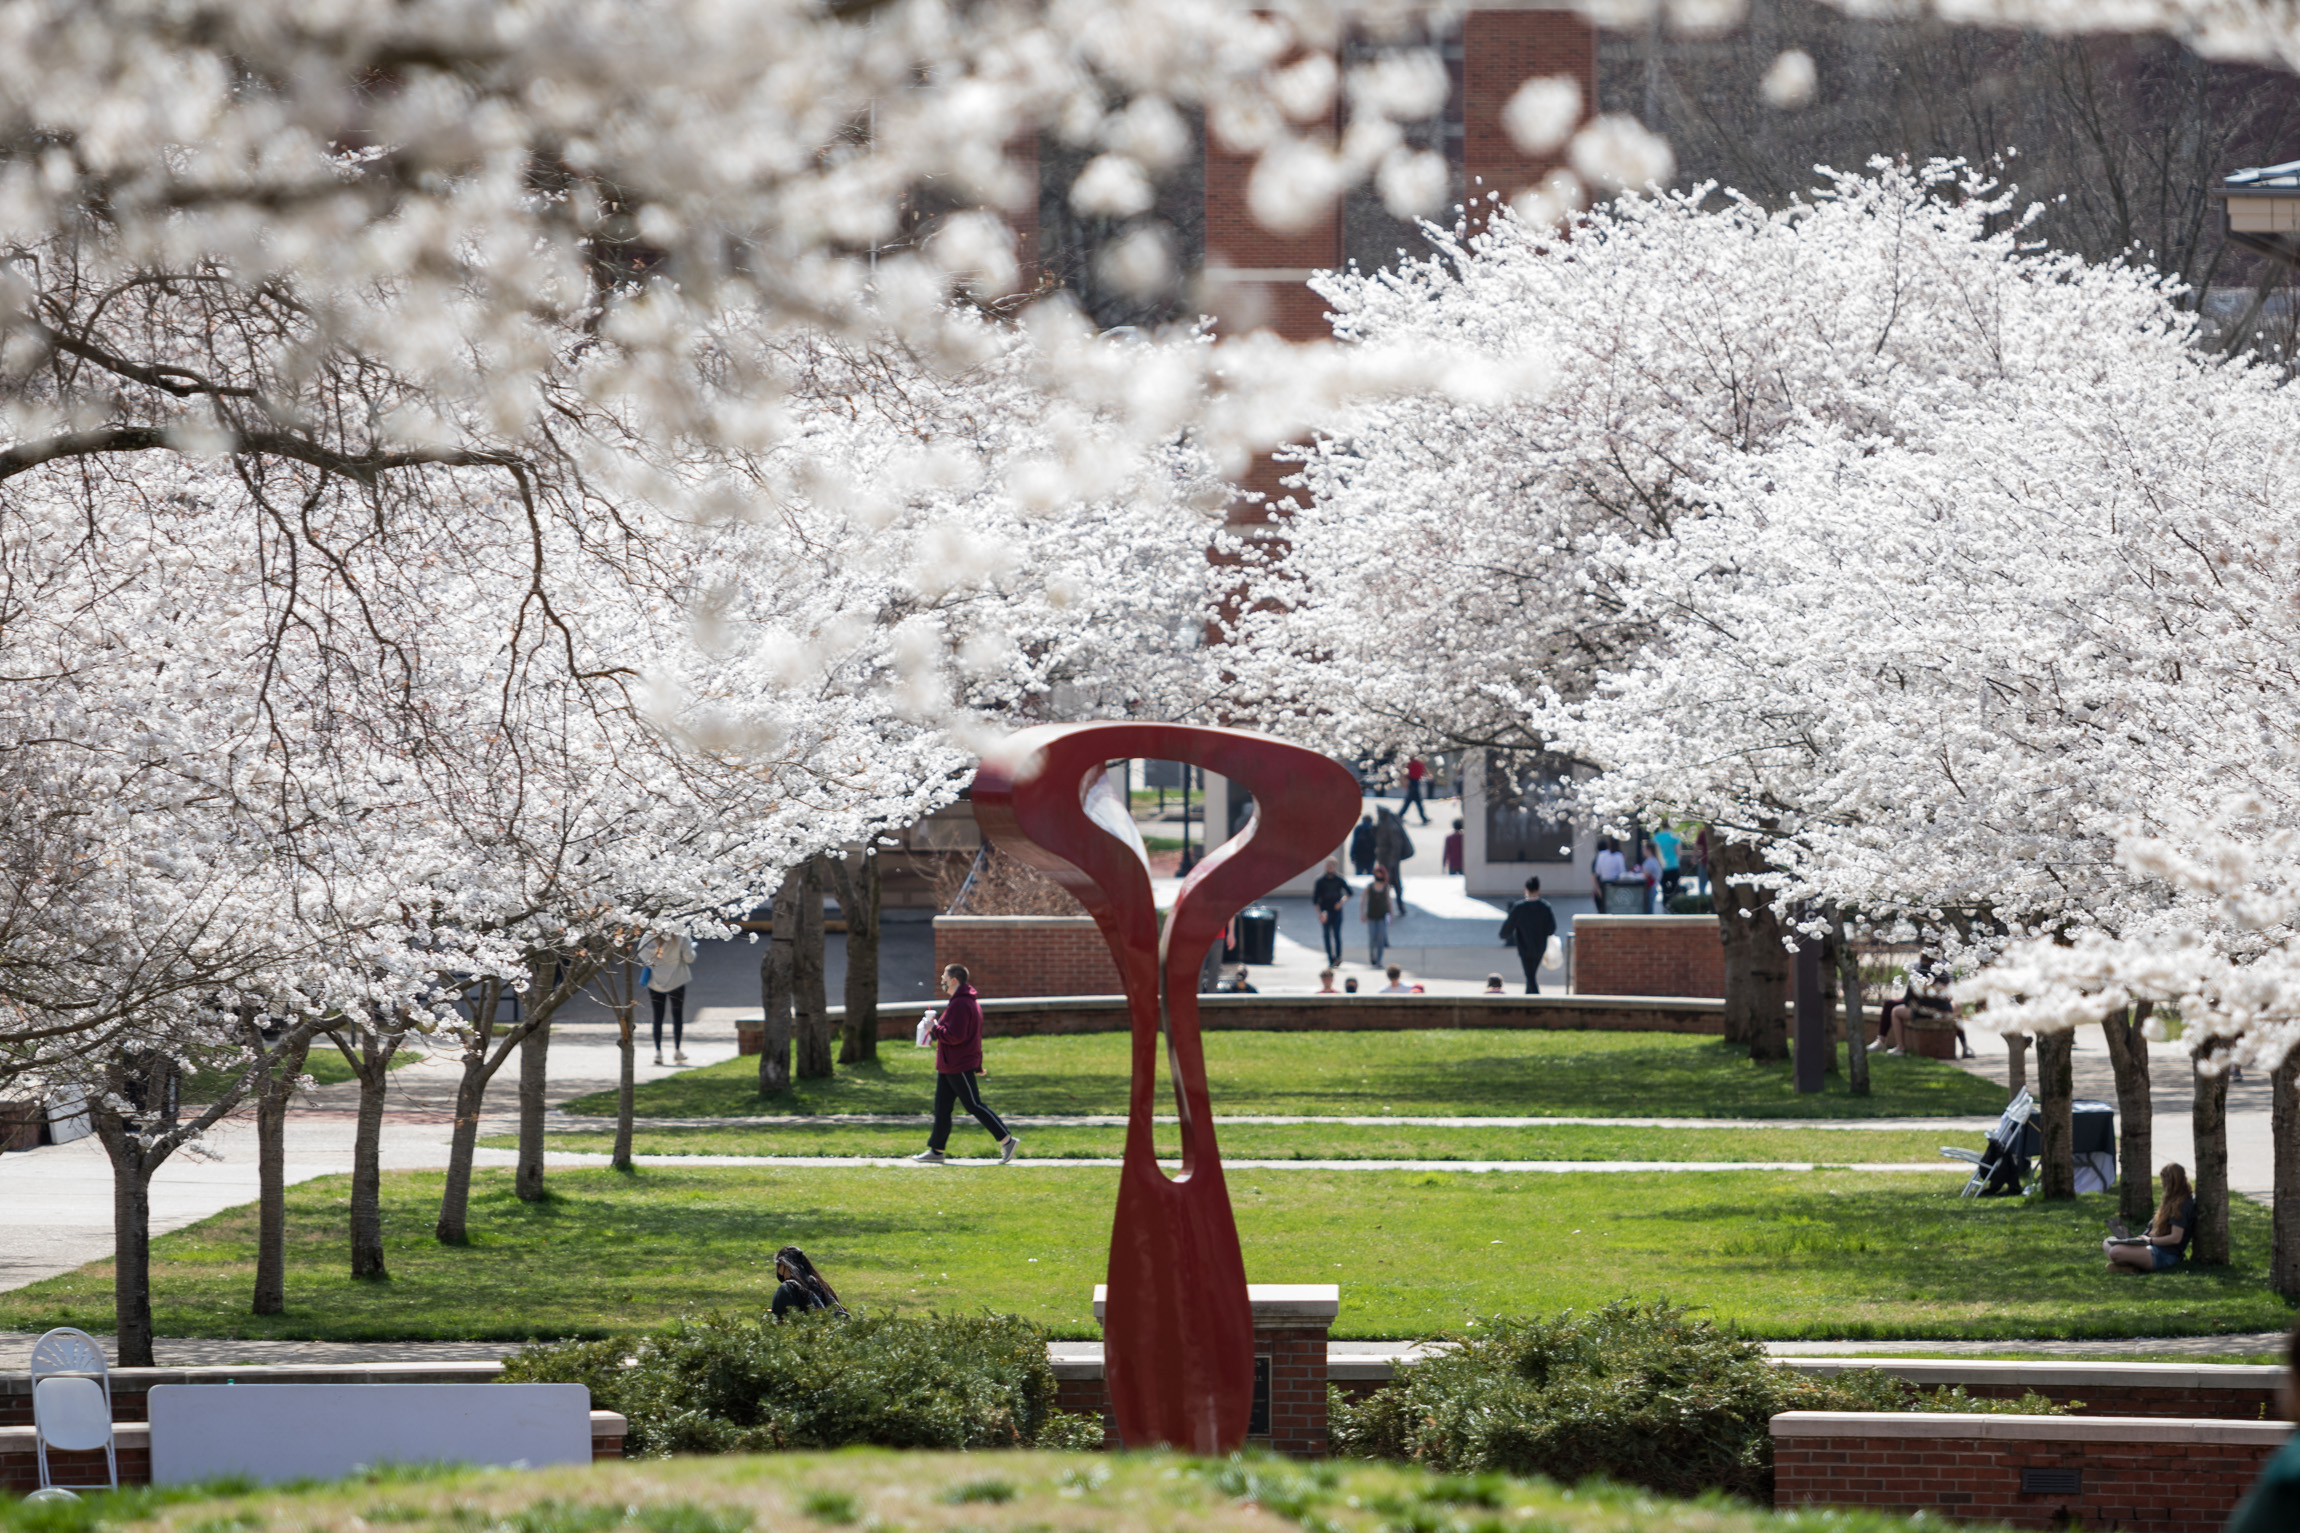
1945, 567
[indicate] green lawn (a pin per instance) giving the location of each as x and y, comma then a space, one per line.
1309, 1141
1781, 1254
1442, 1073
917, 1492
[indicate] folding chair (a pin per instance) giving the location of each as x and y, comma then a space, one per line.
71, 1411
2004, 1166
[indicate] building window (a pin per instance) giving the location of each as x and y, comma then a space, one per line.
1525, 819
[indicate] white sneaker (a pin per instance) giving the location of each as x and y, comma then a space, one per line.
1008, 1149
658, 1056
679, 1056
930, 1157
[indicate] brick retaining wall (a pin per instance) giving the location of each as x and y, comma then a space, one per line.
2141, 1475
1043, 1015
1648, 955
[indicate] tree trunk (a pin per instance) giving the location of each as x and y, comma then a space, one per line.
809, 997
372, 1062
2055, 1055
534, 1080
2128, 1055
1764, 970
2284, 1125
2016, 1064
455, 1199
281, 1071
775, 988
859, 890
627, 1080
2209, 1124
1735, 934
132, 1168
1856, 1027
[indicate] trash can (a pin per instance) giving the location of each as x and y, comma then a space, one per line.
1258, 934
1624, 897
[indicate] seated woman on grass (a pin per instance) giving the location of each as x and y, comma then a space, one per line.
2169, 1234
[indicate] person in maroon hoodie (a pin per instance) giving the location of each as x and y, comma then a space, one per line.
957, 1066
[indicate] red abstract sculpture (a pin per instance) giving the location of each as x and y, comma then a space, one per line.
1178, 1335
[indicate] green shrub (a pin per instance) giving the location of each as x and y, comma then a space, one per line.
722, 1385
1638, 1393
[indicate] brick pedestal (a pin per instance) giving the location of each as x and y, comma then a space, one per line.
1291, 1325
1648, 955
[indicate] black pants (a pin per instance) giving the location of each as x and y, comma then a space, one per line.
678, 1000
1331, 929
1414, 801
952, 1089
1531, 957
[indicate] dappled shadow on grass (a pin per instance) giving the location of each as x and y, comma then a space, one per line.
1407, 1074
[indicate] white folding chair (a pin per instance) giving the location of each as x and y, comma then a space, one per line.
71, 1411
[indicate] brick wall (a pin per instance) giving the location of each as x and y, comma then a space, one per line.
1501, 50
1029, 1018
1648, 955
1026, 955
2141, 1476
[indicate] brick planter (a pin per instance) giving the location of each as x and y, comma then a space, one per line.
1932, 1040
1648, 955
1027, 955
2141, 1475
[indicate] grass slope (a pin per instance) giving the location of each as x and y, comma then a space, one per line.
1781, 1254
1443, 1073
874, 1489
1284, 1141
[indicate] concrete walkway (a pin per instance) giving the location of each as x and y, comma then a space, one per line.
180, 1352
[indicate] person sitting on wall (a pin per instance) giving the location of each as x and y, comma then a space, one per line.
2169, 1233
1397, 984
1927, 995
1493, 985
1350, 985
802, 1288
1241, 983
1326, 982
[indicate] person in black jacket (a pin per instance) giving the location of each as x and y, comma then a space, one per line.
1331, 895
1362, 847
802, 1287
1530, 925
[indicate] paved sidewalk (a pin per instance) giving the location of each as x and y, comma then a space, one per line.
177, 1352
567, 1124
575, 1158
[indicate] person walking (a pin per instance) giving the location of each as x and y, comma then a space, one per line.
1450, 856
957, 1039
1528, 928
1362, 847
1374, 907
1417, 773
670, 964
1649, 869
1666, 842
1330, 894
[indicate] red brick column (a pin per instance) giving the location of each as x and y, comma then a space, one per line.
1291, 1324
